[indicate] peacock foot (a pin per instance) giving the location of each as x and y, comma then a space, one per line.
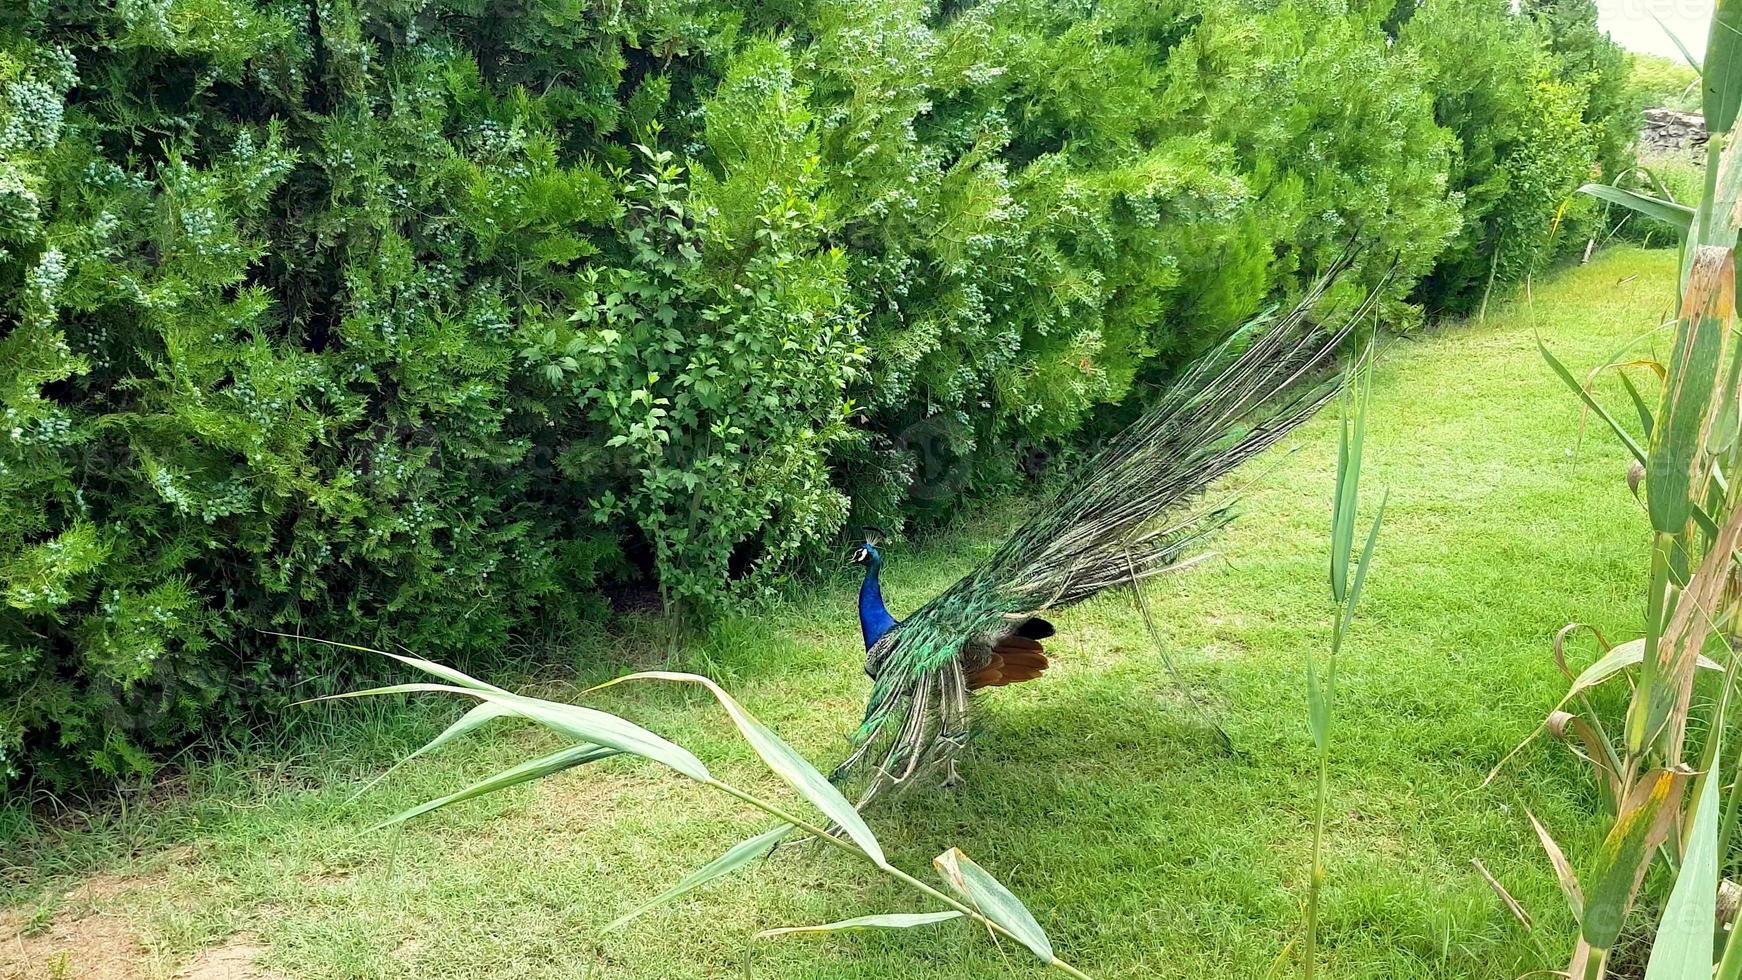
952, 778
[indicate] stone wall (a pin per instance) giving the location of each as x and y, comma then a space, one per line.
1667, 129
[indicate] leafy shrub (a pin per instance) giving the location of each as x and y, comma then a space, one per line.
1524, 144
1654, 81
708, 370
426, 319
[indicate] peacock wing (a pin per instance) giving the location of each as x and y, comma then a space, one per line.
1007, 656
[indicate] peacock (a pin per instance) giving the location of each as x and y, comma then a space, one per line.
1142, 506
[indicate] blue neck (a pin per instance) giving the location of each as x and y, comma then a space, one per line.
874, 618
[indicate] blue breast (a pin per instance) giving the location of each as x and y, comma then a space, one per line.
874, 618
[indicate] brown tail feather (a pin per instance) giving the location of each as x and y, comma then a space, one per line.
1011, 663
1022, 659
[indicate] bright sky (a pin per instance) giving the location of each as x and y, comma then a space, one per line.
1630, 23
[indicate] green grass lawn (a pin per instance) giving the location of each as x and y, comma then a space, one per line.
1097, 794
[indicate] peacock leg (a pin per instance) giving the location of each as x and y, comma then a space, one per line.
952, 778
953, 734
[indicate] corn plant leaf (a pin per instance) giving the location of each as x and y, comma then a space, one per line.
573, 721
1688, 56
1598, 752
987, 895
1689, 628
1727, 419
1612, 662
783, 759
574, 755
1722, 74
1591, 403
442, 671
1639, 404
1675, 458
895, 920
1563, 869
1683, 947
1716, 221
1619, 658
479, 716
1645, 819
1677, 216
737, 856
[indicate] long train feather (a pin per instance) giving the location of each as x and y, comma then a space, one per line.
1138, 509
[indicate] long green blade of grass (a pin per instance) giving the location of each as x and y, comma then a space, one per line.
994, 901
893, 920
736, 857
783, 759
1646, 818
1722, 76
1677, 216
569, 758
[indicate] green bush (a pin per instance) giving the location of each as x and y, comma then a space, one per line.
1654, 81
425, 321
1524, 141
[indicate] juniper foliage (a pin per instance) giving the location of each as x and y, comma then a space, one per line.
423, 320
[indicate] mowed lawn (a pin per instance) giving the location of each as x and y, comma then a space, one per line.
1099, 794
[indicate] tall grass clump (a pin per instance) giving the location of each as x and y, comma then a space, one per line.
1662, 767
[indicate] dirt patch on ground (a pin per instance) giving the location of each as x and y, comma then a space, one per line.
99, 890
83, 936
76, 937
96, 946
235, 960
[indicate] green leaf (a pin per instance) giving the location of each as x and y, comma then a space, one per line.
442, 671
1677, 216
477, 717
1683, 947
1639, 404
736, 857
577, 723
1619, 657
1675, 458
895, 920
1560, 369
1722, 74
1727, 420
1645, 819
574, 755
1688, 56
1367, 553
1351, 436
783, 759
1318, 707
992, 900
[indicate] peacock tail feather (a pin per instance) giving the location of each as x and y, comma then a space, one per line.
1141, 507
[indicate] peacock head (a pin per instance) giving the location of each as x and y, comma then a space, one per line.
867, 554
